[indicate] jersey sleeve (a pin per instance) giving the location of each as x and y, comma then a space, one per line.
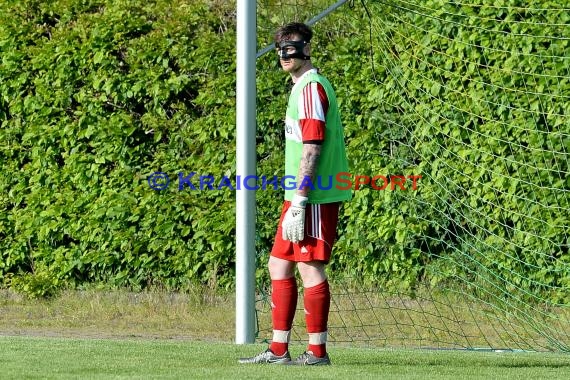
313, 106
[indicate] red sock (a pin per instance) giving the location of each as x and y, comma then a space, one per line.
317, 305
283, 304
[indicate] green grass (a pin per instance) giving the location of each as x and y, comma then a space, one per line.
65, 358
119, 334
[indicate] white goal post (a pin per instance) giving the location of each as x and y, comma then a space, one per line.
245, 165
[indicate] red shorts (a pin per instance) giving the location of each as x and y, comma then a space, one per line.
320, 234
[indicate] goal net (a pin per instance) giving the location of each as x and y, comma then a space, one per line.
475, 98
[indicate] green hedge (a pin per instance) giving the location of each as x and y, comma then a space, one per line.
97, 95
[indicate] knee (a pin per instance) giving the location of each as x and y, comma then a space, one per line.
280, 269
312, 273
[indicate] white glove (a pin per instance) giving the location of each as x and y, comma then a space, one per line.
293, 225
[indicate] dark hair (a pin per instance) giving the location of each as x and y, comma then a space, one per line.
287, 31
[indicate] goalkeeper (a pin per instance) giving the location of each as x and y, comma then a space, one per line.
314, 154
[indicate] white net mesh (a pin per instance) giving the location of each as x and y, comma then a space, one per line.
475, 98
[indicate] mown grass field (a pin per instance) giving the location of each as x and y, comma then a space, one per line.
110, 335
71, 358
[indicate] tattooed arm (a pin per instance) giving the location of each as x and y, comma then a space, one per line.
308, 168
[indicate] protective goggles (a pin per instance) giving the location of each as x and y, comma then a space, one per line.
291, 49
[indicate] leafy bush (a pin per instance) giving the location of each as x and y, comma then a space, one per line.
96, 95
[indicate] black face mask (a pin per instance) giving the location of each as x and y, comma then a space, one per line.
283, 46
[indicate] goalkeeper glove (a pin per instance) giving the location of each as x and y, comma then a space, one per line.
293, 225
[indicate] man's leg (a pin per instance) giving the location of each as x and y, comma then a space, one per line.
312, 254
283, 305
283, 298
283, 302
317, 300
